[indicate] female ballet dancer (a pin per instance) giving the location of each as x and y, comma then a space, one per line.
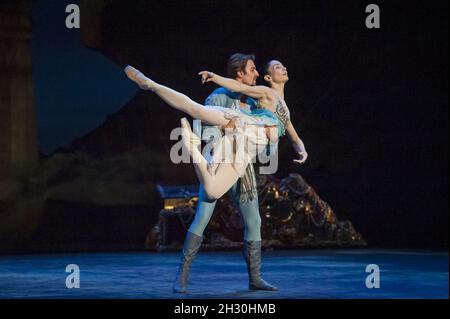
265, 124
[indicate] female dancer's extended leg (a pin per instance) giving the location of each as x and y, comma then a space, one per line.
226, 175
178, 100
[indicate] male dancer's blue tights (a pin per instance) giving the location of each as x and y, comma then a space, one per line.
251, 246
249, 213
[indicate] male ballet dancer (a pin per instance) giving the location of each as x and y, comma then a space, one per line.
244, 193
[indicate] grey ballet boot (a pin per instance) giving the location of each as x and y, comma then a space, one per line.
191, 246
252, 256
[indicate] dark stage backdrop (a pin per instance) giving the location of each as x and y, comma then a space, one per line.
370, 104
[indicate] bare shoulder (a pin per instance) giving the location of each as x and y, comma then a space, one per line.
265, 89
269, 95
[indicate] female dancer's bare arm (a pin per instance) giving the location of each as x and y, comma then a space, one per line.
297, 143
257, 91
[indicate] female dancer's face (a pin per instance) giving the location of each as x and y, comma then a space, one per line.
278, 72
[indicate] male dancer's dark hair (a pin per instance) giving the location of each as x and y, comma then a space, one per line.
237, 62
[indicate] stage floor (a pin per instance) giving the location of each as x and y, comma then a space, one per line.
299, 274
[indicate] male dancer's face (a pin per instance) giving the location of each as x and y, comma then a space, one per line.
249, 75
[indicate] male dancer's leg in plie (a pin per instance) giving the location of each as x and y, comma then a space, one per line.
193, 240
249, 209
203, 214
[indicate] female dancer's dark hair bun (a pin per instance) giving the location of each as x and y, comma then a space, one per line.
263, 71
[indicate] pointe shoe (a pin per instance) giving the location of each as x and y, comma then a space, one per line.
190, 140
138, 77
187, 132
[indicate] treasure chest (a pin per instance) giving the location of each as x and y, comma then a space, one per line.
177, 213
176, 196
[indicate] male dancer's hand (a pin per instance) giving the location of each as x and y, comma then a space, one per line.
232, 123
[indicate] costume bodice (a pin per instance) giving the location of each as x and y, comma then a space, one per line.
281, 115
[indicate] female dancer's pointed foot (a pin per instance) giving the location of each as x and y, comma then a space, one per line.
138, 77
190, 140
